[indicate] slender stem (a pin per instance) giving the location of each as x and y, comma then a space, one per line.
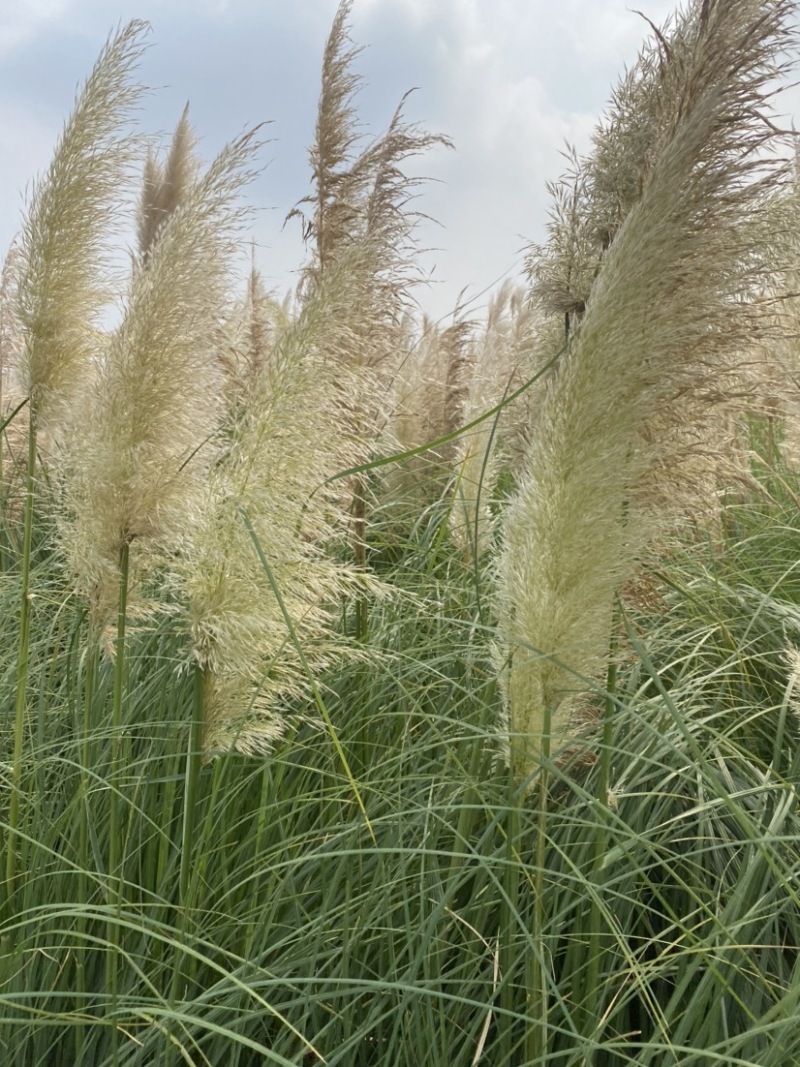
22, 670
315, 689
468, 812
265, 815
536, 1035
360, 552
115, 835
115, 829
593, 994
87, 729
90, 674
509, 919
194, 762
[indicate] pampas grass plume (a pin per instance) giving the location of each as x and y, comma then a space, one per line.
283, 449
671, 308
62, 285
134, 463
166, 184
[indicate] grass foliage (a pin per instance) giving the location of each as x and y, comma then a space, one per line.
265, 795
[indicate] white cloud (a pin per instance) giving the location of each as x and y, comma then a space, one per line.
603, 30
509, 80
508, 128
419, 12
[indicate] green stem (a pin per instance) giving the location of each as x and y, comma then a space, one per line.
360, 553
509, 920
115, 831
22, 672
536, 1034
194, 762
315, 689
593, 994
468, 812
86, 727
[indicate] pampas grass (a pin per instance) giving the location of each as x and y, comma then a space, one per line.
671, 309
500, 364
62, 285
255, 832
165, 185
361, 216
282, 452
429, 389
250, 336
135, 457
60, 292
13, 413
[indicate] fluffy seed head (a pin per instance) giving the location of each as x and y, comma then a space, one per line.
137, 455
63, 279
673, 306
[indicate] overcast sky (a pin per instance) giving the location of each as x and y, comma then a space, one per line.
510, 81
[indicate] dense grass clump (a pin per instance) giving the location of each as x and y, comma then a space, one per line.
315, 750
406, 930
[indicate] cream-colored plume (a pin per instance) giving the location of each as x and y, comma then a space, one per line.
137, 453
251, 335
286, 443
361, 212
670, 312
429, 390
14, 434
500, 364
166, 184
63, 282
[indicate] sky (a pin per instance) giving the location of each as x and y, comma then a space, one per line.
511, 82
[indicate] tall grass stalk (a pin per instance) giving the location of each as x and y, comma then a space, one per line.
21, 701
85, 731
509, 917
194, 762
116, 824
368, 873
361, 221
59, 294
320, 703
593, 990
135, 461
536, 970
670, 312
